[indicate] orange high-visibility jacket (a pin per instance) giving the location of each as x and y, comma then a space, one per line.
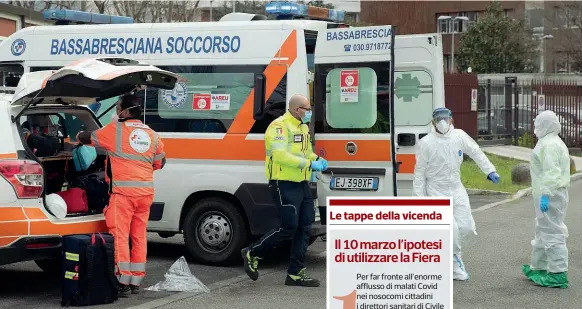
134, 152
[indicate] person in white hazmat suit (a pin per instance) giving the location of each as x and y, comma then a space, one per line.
438, 173
550, 176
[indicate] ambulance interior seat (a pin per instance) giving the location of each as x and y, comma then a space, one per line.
60, 168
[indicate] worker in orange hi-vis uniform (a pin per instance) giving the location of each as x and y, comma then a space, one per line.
134, 152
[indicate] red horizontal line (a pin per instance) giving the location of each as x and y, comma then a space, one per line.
395, 202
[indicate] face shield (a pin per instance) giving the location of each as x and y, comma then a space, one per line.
441, 119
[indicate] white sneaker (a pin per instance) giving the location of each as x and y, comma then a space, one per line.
459, 272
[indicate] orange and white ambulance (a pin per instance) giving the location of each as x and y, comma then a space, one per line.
241, 72
28, 229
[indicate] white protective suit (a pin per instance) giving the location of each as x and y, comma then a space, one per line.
438, 173
550, 175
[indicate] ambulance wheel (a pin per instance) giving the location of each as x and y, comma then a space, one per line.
51, 267
215, 231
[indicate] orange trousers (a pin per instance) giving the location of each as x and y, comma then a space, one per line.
127, 217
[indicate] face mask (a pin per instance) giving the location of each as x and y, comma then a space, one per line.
307, 117
442, 126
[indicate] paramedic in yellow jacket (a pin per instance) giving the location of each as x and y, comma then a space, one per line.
289, 163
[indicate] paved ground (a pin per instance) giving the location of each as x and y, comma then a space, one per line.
495, 256
24, 285
266, 293
521, 153
482, 200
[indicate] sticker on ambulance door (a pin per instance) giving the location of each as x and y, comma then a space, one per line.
201, 101
220, 102
349, 86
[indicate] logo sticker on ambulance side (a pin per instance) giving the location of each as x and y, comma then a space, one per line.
176, 97
139, 140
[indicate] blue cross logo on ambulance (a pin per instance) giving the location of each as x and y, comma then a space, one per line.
146, 45
18, 47
176, 97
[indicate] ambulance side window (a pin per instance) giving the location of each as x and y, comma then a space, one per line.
351, 98
275, 107
209, 101
10, 75
354, 98
100, 107
413, 98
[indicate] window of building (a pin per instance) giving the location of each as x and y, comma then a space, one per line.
560, 17
569, 16
210, 100
473, 18
443, 25
561, 63
459, 26
535, 17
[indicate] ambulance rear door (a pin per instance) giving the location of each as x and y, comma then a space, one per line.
418, 90
353, 117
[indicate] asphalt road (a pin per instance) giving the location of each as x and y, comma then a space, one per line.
494, 259
484, 199
24, 285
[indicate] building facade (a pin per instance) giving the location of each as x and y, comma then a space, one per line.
552, 22
13, 18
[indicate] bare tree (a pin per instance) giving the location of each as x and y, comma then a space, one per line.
567, 18
251, 7
136, 9
45, 5
101, 5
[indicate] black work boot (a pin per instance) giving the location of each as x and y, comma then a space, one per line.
301, 279
134, 289
124, 290
251, 264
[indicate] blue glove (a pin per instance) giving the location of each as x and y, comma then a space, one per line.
544, 201
313, 177
317, 166
324, 161
493, 177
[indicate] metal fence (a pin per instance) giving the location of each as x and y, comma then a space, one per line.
506, 110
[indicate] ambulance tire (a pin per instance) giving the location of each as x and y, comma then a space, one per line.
51, 267
236, 233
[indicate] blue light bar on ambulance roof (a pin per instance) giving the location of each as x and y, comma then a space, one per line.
290, 10
80, 17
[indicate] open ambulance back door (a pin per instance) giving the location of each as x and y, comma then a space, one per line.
353, 111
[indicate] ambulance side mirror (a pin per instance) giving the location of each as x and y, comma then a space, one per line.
259, 99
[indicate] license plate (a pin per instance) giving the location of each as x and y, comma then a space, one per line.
354, 183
